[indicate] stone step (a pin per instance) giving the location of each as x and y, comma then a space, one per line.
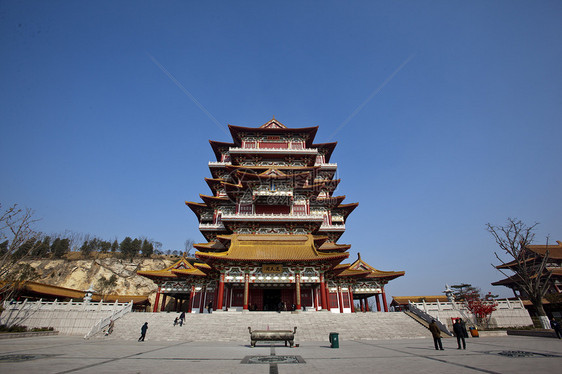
311, 326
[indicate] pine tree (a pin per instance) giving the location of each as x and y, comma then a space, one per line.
147, 248
126, 247
60, 247
25, 249
136, 246
86, 249
42, 250
4, 248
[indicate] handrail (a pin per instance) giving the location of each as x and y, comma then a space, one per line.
428, 318
60, 305
270, 150
103, 322
243, 216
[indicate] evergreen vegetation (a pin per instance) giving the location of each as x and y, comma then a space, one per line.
57, 246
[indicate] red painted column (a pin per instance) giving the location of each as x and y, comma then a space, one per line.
221, 292
323, 292
156, 301
351, 300
340, 297
246, 290
163, 303
298, 290
203, 291
367, 308
378, 302
384, 300
227, 293
189, 307
176, 303
315, 297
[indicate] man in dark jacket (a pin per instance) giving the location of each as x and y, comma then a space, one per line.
143, 331
460, 331
436, 333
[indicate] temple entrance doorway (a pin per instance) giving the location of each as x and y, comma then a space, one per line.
271, 299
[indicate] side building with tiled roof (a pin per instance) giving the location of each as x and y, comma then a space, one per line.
272, 225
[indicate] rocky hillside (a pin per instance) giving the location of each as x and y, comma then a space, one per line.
81, 274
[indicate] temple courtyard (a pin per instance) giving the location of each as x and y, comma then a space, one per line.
63, 354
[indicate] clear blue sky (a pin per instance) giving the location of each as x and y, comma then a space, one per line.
463, 125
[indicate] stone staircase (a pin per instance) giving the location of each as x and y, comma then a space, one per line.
233, 326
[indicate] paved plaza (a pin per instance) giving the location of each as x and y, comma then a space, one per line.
59, 354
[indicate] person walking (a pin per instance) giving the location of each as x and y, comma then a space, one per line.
182, 318
176, 321
143, 332
210, 307
436, 333
459, 331
555, 325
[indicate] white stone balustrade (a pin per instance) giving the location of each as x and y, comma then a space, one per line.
508, 313
219, 163
272, 217
68, 318
326, 227
309, 151
211, 226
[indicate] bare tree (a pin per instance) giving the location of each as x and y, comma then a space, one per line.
531, 273
188, 244
18, 240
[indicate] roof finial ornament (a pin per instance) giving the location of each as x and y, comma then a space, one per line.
359, 255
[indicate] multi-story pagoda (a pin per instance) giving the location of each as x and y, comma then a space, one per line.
272, 224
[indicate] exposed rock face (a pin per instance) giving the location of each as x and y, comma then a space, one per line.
81, 274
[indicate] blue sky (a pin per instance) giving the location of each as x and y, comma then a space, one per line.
463, 125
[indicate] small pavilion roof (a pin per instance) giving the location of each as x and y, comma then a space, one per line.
354, 273
359, 264
181, 268
272, 248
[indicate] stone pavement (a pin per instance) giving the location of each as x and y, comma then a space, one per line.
63, 354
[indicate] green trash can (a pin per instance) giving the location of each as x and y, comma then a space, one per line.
334, 340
